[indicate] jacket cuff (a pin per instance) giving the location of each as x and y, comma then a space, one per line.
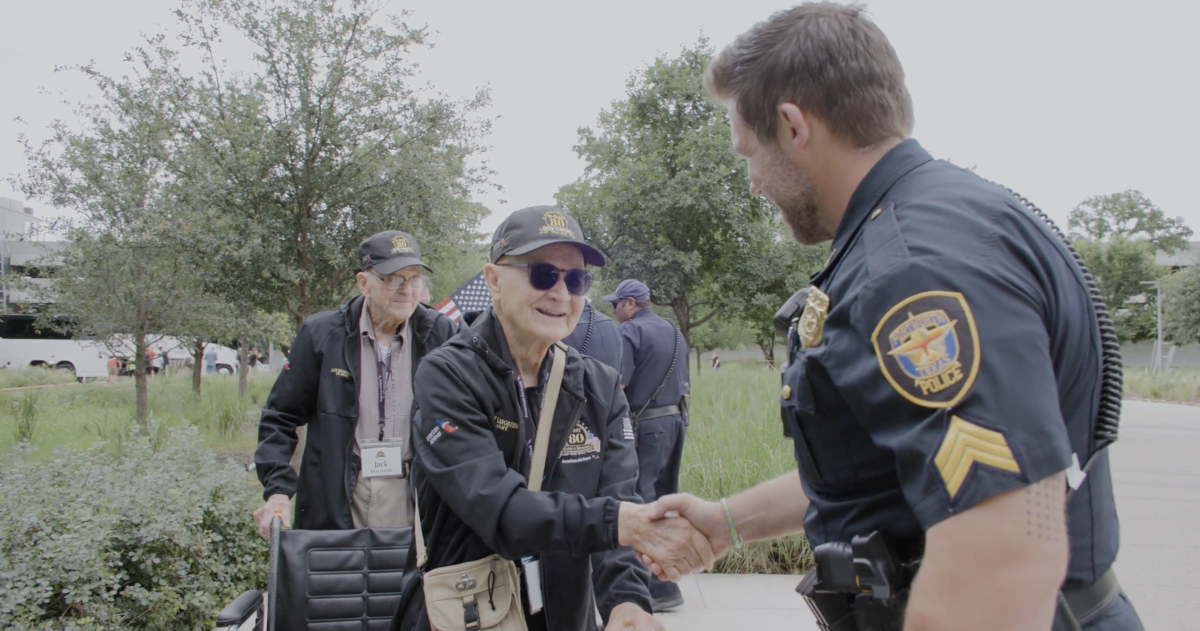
275, 489
612, 510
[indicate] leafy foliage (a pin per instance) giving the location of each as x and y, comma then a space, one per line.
148, 539
1120, 267
666, 199
1181, 304
324, 143
1129, 215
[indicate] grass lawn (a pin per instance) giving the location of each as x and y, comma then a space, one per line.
1177, 385
76, 415
734, 441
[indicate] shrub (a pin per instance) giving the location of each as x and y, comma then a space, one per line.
27, 416
144, 539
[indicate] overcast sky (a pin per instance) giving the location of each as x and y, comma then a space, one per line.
1057, 100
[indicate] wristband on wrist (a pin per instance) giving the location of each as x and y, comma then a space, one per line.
733, 532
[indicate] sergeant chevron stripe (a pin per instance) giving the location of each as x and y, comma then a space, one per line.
967, 444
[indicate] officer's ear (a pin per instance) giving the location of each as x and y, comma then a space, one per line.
362, 280
793, 129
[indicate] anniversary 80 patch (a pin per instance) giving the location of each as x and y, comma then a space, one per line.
928, 348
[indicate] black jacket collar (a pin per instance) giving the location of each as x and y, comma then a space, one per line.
421, 320
486, 338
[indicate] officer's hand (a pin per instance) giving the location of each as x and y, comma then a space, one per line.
277, 504
706, 517
630, 617
670, 541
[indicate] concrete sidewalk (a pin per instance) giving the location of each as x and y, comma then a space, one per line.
1156, 475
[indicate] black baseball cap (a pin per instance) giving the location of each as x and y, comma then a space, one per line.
390, 251
538, 226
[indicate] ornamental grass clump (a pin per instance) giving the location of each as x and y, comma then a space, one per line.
155, 536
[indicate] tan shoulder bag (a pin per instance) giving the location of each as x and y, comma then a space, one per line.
486, 594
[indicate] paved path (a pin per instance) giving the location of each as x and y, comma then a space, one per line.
1156, 475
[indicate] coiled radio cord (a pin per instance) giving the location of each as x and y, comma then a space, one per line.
1108, 417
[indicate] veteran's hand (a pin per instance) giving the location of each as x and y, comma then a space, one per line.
630, 617
708, 518
277, 504
670, 541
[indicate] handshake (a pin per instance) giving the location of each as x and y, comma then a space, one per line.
675, 535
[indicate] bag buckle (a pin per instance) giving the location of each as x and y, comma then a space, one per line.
464, 583
471, 614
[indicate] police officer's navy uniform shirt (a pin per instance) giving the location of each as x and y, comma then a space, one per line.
649, 344
604, 343
958, 360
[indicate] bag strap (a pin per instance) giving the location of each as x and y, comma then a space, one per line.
539, 446
546, 417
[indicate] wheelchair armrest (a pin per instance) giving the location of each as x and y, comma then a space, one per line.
241, 609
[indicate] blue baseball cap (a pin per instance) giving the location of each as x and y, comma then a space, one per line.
629, 288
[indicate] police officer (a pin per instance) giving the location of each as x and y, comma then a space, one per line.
654, 376
949, 375
596, 335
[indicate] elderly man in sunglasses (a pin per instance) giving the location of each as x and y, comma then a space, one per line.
349, 379
479, 405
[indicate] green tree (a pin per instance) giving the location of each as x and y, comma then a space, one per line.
1129, 215
1120, 266
663, 195
117, 279
323, 143
1181, 304
762, 285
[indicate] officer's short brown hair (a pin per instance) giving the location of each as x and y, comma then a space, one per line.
829, 60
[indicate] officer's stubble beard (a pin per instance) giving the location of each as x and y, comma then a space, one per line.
792, 190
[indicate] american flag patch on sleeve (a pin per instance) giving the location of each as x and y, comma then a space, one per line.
627, 426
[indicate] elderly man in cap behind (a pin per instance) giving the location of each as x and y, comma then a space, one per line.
654, 375
349, 379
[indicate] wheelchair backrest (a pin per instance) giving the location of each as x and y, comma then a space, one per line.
338, 580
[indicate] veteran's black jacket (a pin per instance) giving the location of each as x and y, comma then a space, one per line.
319, 388
468, 439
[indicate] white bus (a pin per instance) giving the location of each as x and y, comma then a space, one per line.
22, 345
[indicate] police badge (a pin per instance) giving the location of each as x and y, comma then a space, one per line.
812, 321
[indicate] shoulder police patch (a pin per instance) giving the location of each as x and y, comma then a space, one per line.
968, 446
928, 348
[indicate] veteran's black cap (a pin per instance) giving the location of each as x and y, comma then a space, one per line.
538, 226
389, 251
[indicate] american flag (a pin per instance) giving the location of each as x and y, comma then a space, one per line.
472, 296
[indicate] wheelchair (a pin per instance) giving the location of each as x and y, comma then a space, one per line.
325, 580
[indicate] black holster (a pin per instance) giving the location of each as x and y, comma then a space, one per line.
858, 586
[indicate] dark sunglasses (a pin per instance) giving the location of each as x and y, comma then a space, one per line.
544, 276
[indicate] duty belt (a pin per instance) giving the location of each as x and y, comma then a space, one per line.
1089, 601
662, 410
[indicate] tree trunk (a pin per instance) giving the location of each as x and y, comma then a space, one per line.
767, 345
697, 362
139, 381
197, 366
243, 364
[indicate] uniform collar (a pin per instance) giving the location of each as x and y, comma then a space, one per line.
645, 312
894, 164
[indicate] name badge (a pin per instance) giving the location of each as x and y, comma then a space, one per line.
382, 459
533, 582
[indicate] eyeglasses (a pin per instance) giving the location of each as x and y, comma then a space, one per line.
396, 282
544, 276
